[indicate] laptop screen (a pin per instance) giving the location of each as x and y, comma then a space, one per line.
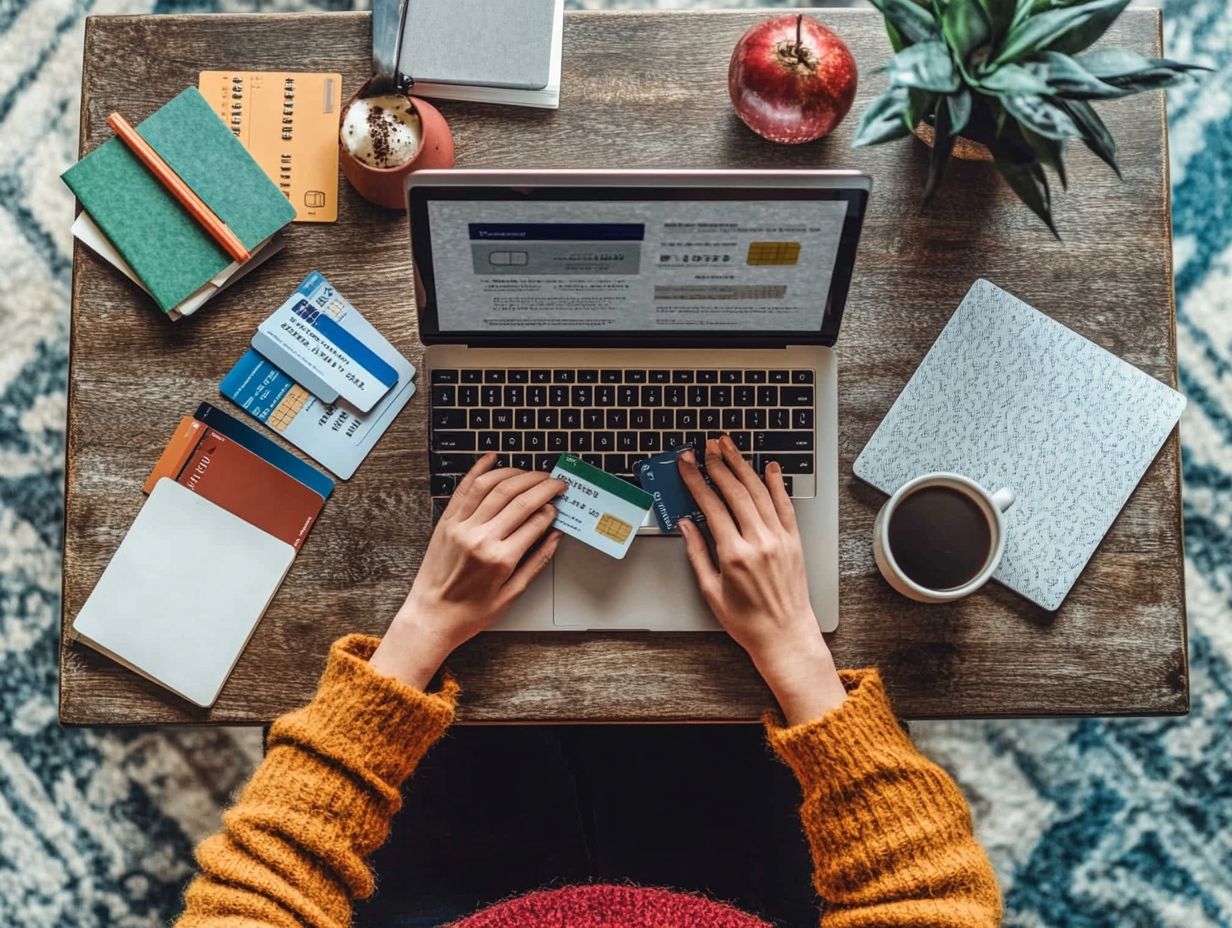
589, 265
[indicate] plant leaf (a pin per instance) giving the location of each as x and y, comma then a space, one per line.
912, 22
924, 66
939, 157
1066, 29
884, 119
1050, 152
1131, 73
1000, 14
959, 105
965, 27
1071, 80
919, 104
1014, 78
1085, 33
1028, 180
1040, 115
1094, 133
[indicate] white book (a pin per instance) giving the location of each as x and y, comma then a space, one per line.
89, 234
183, 593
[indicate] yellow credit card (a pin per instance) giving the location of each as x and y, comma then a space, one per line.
288, 121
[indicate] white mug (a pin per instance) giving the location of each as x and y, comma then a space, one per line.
992, 504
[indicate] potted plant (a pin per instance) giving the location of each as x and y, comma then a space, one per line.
1010, 81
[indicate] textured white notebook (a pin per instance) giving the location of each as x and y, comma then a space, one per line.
1012, 398
183, 592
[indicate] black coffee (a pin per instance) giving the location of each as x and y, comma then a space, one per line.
940, 538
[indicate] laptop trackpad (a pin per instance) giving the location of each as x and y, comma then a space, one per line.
652, 588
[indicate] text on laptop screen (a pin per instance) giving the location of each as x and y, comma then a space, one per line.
634, 265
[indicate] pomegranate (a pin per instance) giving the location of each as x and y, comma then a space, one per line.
791, 79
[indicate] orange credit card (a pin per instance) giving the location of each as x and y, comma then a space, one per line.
288, 121
247, 486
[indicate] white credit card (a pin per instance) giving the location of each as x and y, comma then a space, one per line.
336, 435
597, 508
317, 351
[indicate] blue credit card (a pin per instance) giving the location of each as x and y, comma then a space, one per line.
358, 351
660, 477
263, 448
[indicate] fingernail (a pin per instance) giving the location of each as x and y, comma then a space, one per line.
774, 467
727, 442
689, 456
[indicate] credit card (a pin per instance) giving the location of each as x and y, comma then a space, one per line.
336, 435
288, 121
282, 359
312, 343
596, 508
248, 486
660, 477
262, 447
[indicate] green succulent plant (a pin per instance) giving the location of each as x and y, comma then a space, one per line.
1014, 75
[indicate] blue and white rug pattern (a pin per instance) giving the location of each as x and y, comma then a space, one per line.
1122, 823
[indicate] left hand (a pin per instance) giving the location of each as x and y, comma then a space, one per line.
487, 547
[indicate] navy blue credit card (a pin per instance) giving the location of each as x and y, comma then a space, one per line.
262, 447
660, 477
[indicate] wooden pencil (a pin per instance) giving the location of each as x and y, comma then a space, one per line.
227, 240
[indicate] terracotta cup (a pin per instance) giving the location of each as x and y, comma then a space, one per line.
387, 186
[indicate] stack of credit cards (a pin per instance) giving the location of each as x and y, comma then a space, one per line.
323, 377
243, 472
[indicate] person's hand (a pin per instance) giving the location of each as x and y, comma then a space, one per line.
758, 590
487, 547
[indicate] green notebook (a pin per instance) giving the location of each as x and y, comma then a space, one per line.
171, 253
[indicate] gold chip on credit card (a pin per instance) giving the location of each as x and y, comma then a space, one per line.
611, 527
774, 253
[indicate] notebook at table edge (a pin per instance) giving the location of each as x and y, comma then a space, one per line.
171, 253
520, 61
548, 97
184, 623
1052, 596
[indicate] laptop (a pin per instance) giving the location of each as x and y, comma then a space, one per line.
616, 314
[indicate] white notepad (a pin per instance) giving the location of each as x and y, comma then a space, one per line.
183, 592
1012, 398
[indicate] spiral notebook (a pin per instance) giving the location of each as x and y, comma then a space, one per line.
1012, 398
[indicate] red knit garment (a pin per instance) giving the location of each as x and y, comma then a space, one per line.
610, 907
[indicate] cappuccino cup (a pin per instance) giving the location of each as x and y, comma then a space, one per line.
383, 138
940, 537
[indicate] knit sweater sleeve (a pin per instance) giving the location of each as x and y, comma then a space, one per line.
293, 851
889, 831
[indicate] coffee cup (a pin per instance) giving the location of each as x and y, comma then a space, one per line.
940, 537
383, 138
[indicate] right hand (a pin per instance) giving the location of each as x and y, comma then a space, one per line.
493, 539
758, 590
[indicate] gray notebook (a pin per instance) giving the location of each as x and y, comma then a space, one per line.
488, 43
1012, 398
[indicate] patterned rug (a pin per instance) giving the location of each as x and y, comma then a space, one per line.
1125, 823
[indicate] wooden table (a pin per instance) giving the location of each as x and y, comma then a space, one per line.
642, 89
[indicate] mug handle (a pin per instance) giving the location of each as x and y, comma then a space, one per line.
1004, 498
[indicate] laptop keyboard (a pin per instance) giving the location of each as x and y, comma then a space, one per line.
613, 418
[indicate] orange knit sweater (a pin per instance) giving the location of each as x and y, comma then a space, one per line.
889, 831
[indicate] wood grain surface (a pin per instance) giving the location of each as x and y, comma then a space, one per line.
641, 89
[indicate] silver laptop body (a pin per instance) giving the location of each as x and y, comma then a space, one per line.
553, 303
